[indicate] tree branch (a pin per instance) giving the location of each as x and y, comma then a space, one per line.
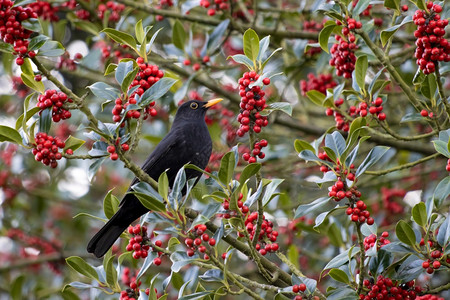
402, 167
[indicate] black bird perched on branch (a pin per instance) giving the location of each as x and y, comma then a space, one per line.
188, 141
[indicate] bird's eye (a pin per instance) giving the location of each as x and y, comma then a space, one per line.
194, 105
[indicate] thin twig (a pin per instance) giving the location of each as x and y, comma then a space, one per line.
362, 257
441, 90
402, 167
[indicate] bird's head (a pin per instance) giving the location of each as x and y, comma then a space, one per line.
194, 109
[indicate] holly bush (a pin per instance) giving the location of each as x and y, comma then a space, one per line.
293, 204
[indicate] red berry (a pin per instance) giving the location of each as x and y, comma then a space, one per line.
436, 264
111, 149
302, 287
157, 261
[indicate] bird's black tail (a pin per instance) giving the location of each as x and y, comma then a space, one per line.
105, 238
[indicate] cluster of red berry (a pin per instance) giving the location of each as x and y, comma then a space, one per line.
131, 293
145, 78
312, 26
320, 83
371, 240
357, 208
157, 260
432, 47
113, 152
163, 4
267, 231
298, 288
45, 10
199, 232
226, 206
341, 122
12, 31
56, 100
46, 149
252, 102
138, 243
114, 9
217, 6
358, 211
426, 114
342, 54
448, 165
376, 109
433, 263
256, 152
386, 288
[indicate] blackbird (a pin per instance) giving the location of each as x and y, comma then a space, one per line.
188, 141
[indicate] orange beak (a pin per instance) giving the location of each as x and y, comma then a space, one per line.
212, 102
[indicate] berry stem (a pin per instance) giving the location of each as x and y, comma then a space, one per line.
362, 256
439, 289
137, 133
252, 138
441, 90
234, 278
67, 156
291, 266
404, 166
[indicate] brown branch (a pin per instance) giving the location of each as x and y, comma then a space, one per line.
317, 131
27, 262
